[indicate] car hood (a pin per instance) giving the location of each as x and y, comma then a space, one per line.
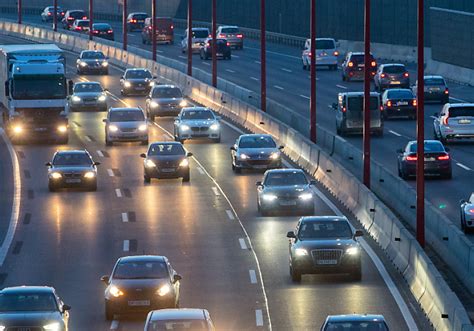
88, 94
29, 318
72, 168
311, 244
255, 152
197, 122
167, 100
282, 190
140, 284
90, 61
128, 125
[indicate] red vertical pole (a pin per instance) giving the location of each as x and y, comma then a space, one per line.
55, 15
190, 37
214, 44
367, 78
153, 32
312, 102
124, 25
263, 57
19, 11
420, 129
91, 17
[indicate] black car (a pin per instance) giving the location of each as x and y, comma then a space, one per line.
72, 168
324, 245
166, 160
399, 103
71, 16
32, 308
391, 75
139, 284
255, 151
48, 16
353, 66
437, 160
92, 62
136, 21
103, 30
368, 322
285, 190
436, 89
223, 49
136, 81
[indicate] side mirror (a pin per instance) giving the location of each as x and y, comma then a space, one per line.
462, 201
105, 279
177, 278
66, 308
7, 89
189, 154
291, 234
281, 147
259, 183
96, 163
155, 77
446, 149
70, 86
143, 155
48, 164
400, 151
334, 106
312, 182
232, 148
104, 120
358, 233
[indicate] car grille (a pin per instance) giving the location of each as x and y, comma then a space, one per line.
89, 99
128, 129
139, 294
199, 129
322, 256
258, 162
24, 328
72, 175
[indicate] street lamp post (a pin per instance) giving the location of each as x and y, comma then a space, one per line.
214, 43
190, 37
153, 32
91, 17
55, 15
367, 79
124, 25
312, 102
263, 57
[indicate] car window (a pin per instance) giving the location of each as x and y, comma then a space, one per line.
77, 14
394, 69
93, 55
141, 269
325, 44
461, 111
140, 16
172, 92
400, 94
434, 81
356, 103
87, 88
72, 159
166, 149
429, 146
83, 23
138, 74
357, 58
257, 142
230, 30
285, 179
102, 26
27, 302
359, 326
126, 116
187, 324
197, 115
200, 34
324, 230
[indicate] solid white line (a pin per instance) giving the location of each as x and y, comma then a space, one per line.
182, 57
126, 245
259, 317
158, 51
100, 153
253, 276
341, 86
110, 172
463, 166
206, 63
88, 139
275, 53
16, 200
254, 78
459, 100
278, 87
286, 70
395, 133
242, 243
230, 215
118, 193
114, 325
216, 191
231, 71
125, 217
200, 170
304, 96
236, 56
257, 62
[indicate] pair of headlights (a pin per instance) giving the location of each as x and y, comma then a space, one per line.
162, 291
75, 98
57, 175
84, 64
114, 128
273, 197
50, 327
350, 251
213, 127
19, 129
127, 84
273, 156
150, 164
155, 104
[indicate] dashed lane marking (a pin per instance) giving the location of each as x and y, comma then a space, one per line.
341, 86
253, 276
242, 243
216, 191
100, 153
125, 217
254, 78
286, 70
200, 170
395, 133
110, 172
278, 87
258, 317
305, 96
126, 245
118, 193
231, 71
230, 214
114, 325
463, 166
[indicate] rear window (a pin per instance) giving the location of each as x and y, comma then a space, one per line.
434, 81
461, 111
200, 33
430, 146
357, 103
230, 30
403, 94
101, 26
77, 14
325, 44
83, 23
359, 58
139, 16
394, 69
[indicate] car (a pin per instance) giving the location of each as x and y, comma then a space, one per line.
125, 124
139, 284
197, 122
103, 30
137, 81
164, 100
223, 50
285, 190
255, 151
368, 322
437, 160
72, 168
353, 66
232, 34
179, 319
326, 53
199, 36
92, 62
164, 30
136, 21
436, 89
350, 113
80, 25
47, 15
167, 159
324, 245
399, 103
454, 122
71, 16
32, 308
467, 214
391, 75
88, 96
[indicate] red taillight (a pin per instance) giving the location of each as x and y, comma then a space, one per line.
221, 35
210, 36
240, 36
84, 18
309, 54
382, 75
110, 31
336, 53
343, 109
443, 157
471, 211
209, 44
49, 14
150, 27
350, 64
373, 73
78, 27
70, 18
351, 73
373, 64
406, 74
445, 120
172, 27
414, 102
411, 158
381, 108
228, 44
446, 91
389, 103
95, 31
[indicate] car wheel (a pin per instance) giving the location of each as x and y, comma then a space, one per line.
146, 179
107, 141
52, 187
295, 275
109, 314
186, 177
343, 78
237, 170
217, 140
357, 274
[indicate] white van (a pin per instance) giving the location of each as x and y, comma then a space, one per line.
326, 53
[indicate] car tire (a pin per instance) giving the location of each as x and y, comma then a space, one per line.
343, 78
356, 274
295, 275
109, 314
146, 179
186, 177
107, 141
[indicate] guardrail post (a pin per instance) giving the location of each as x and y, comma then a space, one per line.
312, 102
190, 37
153, 32
367, 78
214, 44
91, 17
55, 15
263, 57
19, 11
124, 25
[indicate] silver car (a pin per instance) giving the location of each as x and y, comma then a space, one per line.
454, 122
326, 53
199, 36
179, 319
232, 34
391, 75
88, 96
197, 122
164, 100
125, 124
467, 214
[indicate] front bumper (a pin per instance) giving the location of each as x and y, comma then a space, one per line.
139, 90
346, 265
191, 134
287, 205
127, 136
258, 164
89, 106
89, 68
72, 182
123, 305
163, 173
165, 110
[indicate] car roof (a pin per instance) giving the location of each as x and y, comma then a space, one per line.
90, 50
101, 24
354, 317
179, 314
142, 258
196, 109
87, 83
323, 218
111, 110
285, 170
358, 94
411, 142
229, 26
138, 13
200, 28
75, 10
79, 21
136, 69
27, 289
433, 76
322, 38
255, 135
392, 65
73, 151
166, 143
163, 86
398, 90
359, 53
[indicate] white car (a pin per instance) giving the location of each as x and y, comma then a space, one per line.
467, 214
199, 36
232, 34
125, 124
454, 122
326, 53
197, 122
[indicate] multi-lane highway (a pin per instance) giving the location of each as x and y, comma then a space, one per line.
233, 261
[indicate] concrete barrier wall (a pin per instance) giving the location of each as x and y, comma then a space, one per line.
440, 304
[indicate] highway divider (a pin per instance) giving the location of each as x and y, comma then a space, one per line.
434, 296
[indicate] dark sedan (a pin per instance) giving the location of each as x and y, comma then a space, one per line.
436, 89
71, 16
437, 160
136, 81
355, 322
399, 103
166, 160
285, 190
73, 168
139, 284
32, 308
223, 49
255, 151
391, 75
92, 62
165, 100
47, 15
103, 30
136, 21
324, 244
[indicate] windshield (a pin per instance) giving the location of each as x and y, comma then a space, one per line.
434, 81
165, 325
138, 74
166, 149
431, 146
461, 111
324, 230
325, 44
359, 58
87, 88
141, 269
394, 69
230, 30
400, 94
257, 142
360, 326
72, 159
37, 88
84, 23
27, 302
197, 115
285, 179
167, 93
200, 33
93, 55
139, 16
127, 116
356, 103
77, 14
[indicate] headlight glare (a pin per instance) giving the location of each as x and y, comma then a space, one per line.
269, 197
105, 64
127, 84
152, 84
183, 103
154, 104
89, 174
62, 128
275, 156
17, 129
102, 98
75, 98
142, 127
51, 327
184, 127
113, 128
149, 163
83, 64
353, 251
306, 196
115, 291
184, 163
214, 127
301, 252
164, 290
2, 327
56, 175
244, 157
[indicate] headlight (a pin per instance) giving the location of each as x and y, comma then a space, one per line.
62, 128
89, 174
214, 127
2, 327
184, 163
102, 98
56, 175
104, 64
183, 103
353, 250
113, 128
52, 326
149, 163
275, 156
154, 104
184, 127
83, 64
306, 196
152, 84
115, 291
301, 252
164, 290
142, 127
127, 84
244, 157
75, 98
17, 129
269, 197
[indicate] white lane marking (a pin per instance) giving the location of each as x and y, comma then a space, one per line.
88, 138
275, 53
118, 193
253, 276
254, 78
182, 57
216, 191
395, 133
305, 96
114, 325
341, 86
206, 63
236, 56
242, 243
230, 215
158, 51
463, 166
125, 217
380, 267
200, 170
100, 153
258, 317
15, 214
110, 172
131, 35
278, 87
126, 245
286, 70
459, 100
231, 71
257, 62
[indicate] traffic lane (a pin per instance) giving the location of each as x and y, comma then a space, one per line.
7, 187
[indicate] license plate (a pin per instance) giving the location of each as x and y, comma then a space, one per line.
434, 89
219, 54
139, 303
402, 103
327, 262
167, 170
40, 129
89, 102
288, 203
395, 82
464, 121
139, 88
73, 181
260, 166
429, 159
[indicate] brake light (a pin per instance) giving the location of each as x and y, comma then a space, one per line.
381, 108
445, 120
49, 14
336, 53
389, 103
446, 91
150, 27
133, 21
240, 35
411, 158
382, 75
343, 109
471, 211
350, 64
172, 27
84, 18
406, 74
309, 54
110, 31
210, 36
221, 35
70, 18
228, 44
351, 73
209, 43
78, 27
373, 64
414, 102
443, 157
95, 31
373, 73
